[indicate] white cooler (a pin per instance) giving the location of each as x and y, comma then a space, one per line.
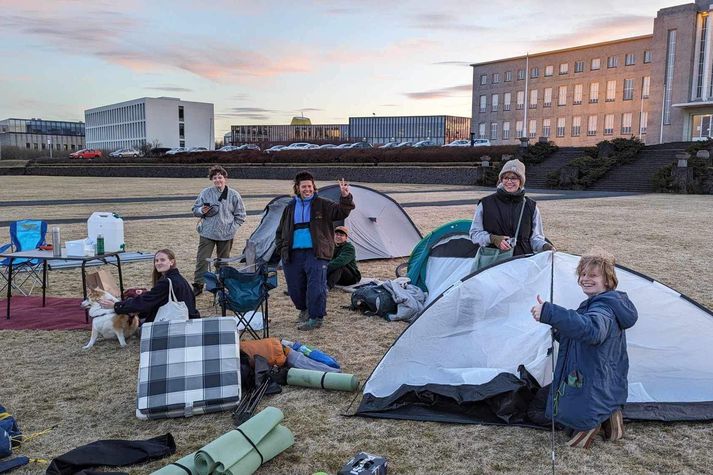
109, 225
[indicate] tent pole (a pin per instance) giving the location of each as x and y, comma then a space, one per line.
552, 358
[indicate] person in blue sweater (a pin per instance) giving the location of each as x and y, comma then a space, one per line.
147, 303
590, 382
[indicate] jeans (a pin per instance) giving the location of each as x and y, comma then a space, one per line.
306, 278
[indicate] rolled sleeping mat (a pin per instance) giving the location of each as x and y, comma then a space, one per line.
182, 466
295, 359
230, 447
320, 379
273, 444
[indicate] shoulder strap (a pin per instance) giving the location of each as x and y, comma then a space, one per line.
519, 220
171, 294
224, 194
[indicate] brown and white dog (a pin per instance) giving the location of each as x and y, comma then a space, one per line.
105, 321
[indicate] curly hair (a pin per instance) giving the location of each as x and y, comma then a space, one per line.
604, 261
215, 170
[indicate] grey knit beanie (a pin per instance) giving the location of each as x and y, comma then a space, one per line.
514, 166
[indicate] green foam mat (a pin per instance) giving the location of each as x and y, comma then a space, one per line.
319, 379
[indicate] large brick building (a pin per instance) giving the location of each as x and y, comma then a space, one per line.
657, 87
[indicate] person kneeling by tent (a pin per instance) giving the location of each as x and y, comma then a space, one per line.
590, 381
342, 269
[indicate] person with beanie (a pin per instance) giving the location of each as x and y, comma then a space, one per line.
304, 240
496, 216
342, 269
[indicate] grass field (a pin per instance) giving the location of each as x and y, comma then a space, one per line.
49, 381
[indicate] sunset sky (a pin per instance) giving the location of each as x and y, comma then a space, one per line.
264, 62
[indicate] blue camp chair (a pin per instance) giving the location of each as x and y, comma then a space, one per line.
25, 235
243, 291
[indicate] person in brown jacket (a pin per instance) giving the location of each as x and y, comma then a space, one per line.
305, 242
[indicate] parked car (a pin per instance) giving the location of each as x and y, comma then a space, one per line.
197, 150
249, 146
275, 148
345, 145
424, 143
361, 145
390, 145
481, 143
125, 152
328, 145
301, 146
158, 151
403, 145
87, 153
175, 151
229, 148
458, 143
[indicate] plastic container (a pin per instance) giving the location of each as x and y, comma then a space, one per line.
110, 226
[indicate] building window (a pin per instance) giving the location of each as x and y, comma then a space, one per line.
611, 91
668, 81
506, 101
181, 143
534, 72
609, 124
549, 70
612, 61
496, 78
495, 102
626, 123
508, 76
493, 131
576, 126
547, 101
647, 56
546, 126
564, 68
518, 129
594, 93
628, 89
533, 129
520, 100
506, 130
71, 147
701, 56
577, 100
629, 59
180, 113
483, 103
181, 131
481, 130
595, 64
643, 120
560, 126
579, 66
27, 145
483, 79
592, 125
520, 74
645, 85
533, 99
562, 96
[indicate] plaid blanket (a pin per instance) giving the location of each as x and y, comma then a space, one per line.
188, 367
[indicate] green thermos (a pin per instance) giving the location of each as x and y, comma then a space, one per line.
100, 245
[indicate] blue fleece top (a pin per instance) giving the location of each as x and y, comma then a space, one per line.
301, 237
590, 380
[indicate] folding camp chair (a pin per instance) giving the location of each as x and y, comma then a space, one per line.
244, 291
25, 235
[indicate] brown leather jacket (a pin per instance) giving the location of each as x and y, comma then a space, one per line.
323, 213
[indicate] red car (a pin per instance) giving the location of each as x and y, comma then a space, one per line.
86, 153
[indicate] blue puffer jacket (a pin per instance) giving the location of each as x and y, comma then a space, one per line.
590, 380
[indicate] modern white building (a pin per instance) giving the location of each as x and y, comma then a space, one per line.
156, 121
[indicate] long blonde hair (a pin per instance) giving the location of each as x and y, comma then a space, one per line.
156, 275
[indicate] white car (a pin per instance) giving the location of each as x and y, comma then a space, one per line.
125, 152
197, 150
424, 143
328, 145
481, 143
301, 146
390, 145
458, 143
249, 146
229, 148
175, 151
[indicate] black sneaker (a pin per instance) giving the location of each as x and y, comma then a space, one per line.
197, 289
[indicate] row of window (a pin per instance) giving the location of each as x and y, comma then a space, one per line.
562, 92
625, 127
116, 132
117, 115
59, 146
548, 71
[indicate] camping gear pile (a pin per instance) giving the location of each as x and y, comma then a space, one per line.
393, 300
10, 437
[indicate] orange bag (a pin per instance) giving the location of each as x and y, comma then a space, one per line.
268, 348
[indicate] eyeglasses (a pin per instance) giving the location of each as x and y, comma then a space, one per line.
511, 178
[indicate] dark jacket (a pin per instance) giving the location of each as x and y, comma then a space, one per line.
590, 379
501, 211
149, 302
344, 256
323, 213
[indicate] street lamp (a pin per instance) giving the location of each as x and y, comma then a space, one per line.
49, 144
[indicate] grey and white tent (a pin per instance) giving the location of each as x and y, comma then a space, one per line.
379, 228
476, 355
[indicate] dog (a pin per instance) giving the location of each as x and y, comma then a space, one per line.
105, 321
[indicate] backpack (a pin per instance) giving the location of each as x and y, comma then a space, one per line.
373, 299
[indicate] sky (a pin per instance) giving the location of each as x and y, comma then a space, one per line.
263, 62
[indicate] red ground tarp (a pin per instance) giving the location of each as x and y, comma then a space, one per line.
27, 313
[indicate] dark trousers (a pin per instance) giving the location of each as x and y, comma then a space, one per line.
205, 251
341, 276
306, 278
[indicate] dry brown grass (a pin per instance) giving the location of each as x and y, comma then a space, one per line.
48, 380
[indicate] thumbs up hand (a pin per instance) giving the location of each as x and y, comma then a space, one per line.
536, 310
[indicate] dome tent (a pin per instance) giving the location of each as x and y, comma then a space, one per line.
475, 353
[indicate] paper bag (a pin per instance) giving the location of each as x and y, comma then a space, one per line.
102, 279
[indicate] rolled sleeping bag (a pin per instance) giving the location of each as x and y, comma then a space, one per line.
182, 466
273, 444
230, 447
295, 359
320, 379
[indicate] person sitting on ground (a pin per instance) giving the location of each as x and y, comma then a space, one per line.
342, 269
496, 215
590, 382
146, 304
304, 240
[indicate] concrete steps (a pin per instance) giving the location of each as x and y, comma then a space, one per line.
637, 176
537, 174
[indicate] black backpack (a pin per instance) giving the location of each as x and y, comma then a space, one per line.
373, 299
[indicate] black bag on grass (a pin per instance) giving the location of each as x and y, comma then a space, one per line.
373, 299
